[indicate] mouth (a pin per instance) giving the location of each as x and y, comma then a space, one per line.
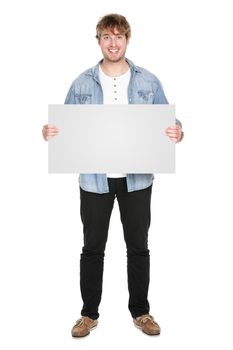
113, 50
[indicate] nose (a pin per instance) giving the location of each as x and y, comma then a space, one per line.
113, 41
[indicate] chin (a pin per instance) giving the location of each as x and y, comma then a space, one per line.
114, 60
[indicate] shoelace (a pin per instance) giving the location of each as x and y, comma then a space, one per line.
80, 322
144, 319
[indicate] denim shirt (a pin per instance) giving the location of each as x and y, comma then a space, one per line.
143, 87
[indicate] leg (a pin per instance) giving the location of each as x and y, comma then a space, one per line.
95, 214
135, 217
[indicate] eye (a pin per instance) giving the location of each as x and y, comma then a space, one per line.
105, 37
120, 37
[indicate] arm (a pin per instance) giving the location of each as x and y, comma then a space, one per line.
49, 131
174, 132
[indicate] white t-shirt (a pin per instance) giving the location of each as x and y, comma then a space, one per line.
115, 91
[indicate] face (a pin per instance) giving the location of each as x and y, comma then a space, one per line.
113, 45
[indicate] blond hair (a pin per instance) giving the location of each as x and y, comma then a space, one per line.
113, 21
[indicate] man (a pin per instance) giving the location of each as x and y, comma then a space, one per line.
114, 80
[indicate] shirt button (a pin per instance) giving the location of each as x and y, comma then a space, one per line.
115, 92
115, 99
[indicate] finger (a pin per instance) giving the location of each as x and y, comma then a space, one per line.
49, 137
172, 134
174, 127
51, 133
172, 131
52, 128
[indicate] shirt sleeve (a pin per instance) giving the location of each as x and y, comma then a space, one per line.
160, 98
70, 98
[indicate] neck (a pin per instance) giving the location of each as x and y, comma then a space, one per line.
114, 69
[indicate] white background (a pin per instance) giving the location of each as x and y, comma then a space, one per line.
44, 47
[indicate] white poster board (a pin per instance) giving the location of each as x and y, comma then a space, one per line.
111, 139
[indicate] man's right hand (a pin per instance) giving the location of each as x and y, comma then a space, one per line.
49, 131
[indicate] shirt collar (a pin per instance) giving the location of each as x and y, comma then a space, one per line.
94, 71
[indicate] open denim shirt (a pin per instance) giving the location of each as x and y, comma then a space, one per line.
143, 87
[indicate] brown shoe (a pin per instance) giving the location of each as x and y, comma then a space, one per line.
147, 324
83, 326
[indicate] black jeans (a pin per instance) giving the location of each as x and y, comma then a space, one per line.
135, 217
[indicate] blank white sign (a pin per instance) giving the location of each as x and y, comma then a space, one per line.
111, 139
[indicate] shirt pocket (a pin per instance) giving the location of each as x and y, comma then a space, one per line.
145, 96
83, 98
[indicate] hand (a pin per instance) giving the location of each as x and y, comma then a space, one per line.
175, 133
49, 131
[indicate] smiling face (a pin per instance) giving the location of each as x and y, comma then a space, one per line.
113, 45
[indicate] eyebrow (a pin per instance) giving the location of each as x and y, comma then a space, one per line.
112, 34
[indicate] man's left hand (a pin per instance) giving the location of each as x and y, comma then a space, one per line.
175, 133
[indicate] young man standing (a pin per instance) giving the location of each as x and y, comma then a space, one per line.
115, 80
